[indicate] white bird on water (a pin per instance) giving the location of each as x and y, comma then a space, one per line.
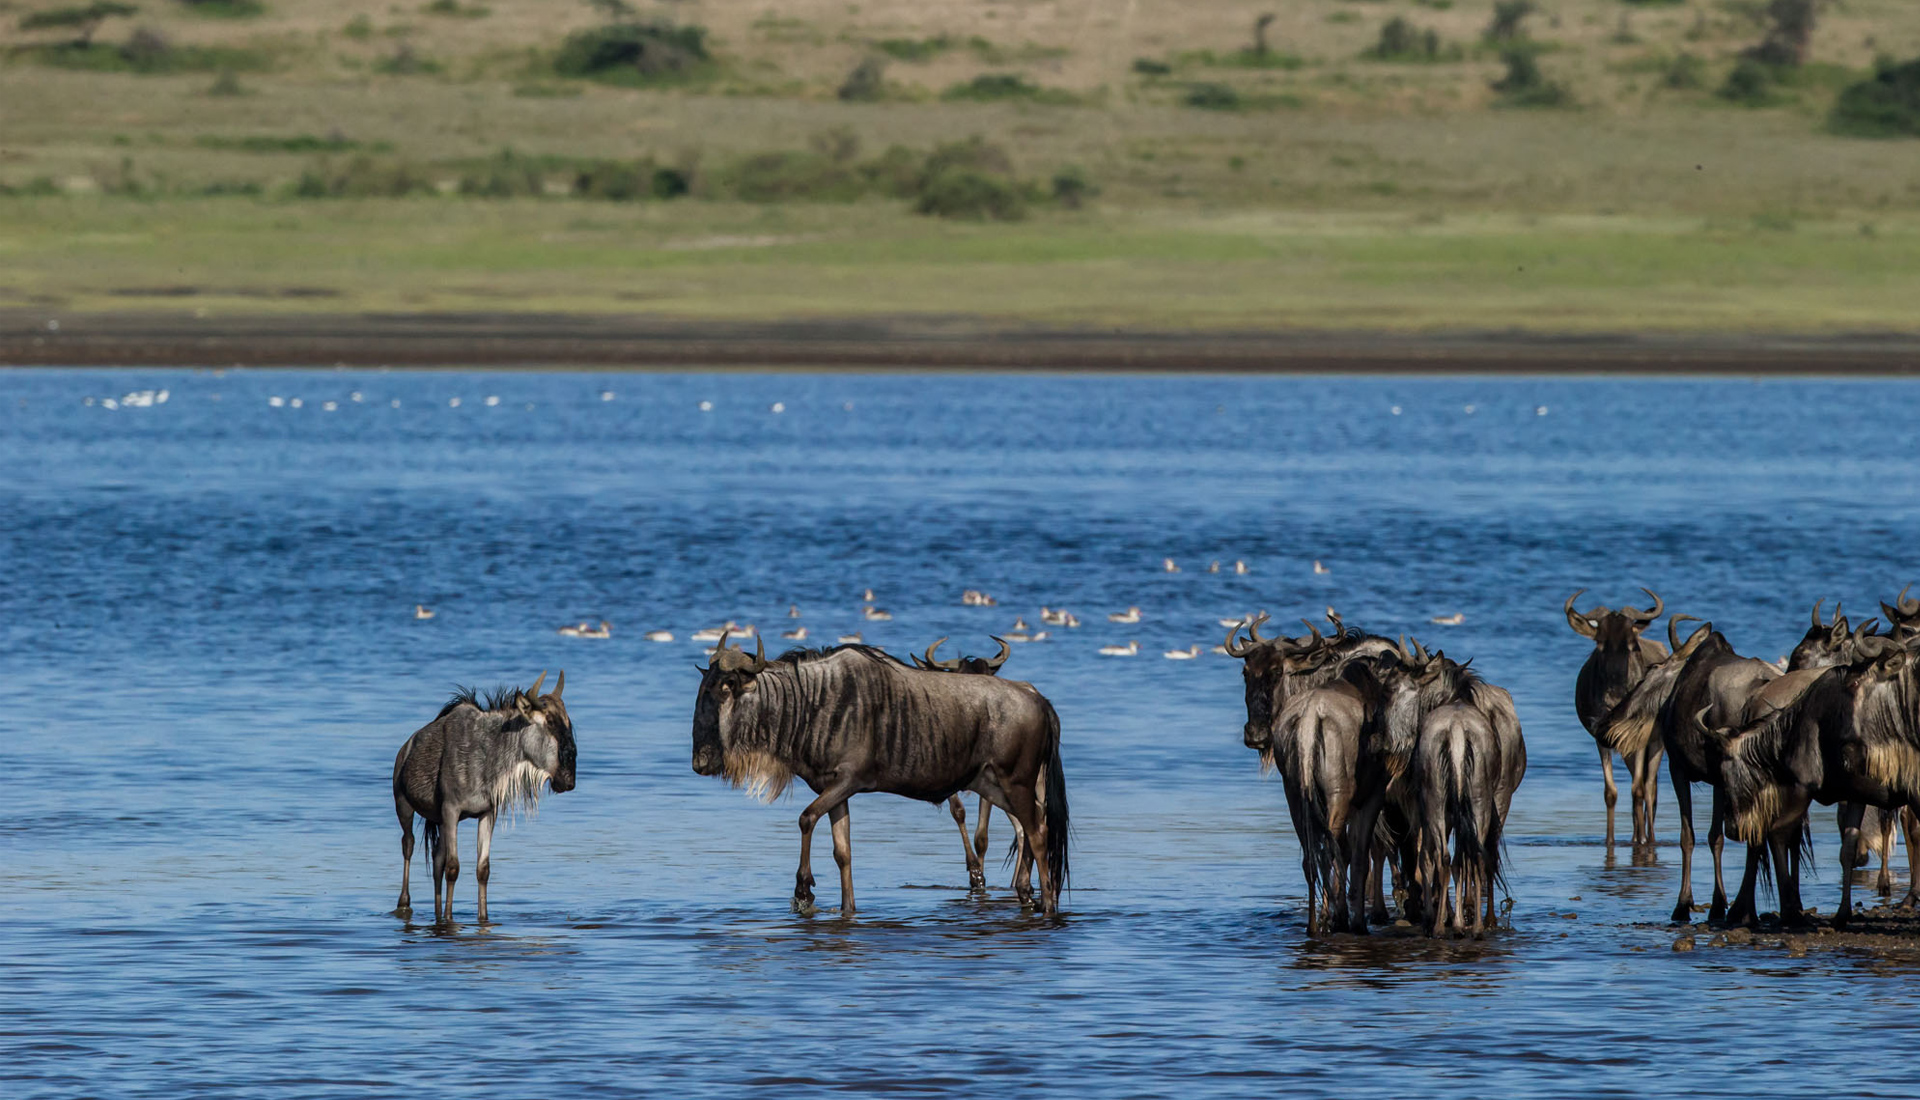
1167, 565
793, 611
583, 630
1318, 568
1213, 566
1454, 619
875, 615
1186, 654
850, 639
869, 595
713, 633
798, 634
1020, 625
659, 635
1131, 649
1130, 615
422, 611
1241, 568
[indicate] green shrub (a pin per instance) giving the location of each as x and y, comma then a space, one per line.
226, 84
362, 177
1072, 188
975, 154
866, 83
1888, 105
628, 181
991, 87
1400, 40
1524, 85
507, 176
225, 9
457, 10
1750, 84
1212, 97
634, 53
972, 196
787, 176
147, 51
1509, 17
38, 187
916, 49
359, 28
1147, 66
271, 143
896, 173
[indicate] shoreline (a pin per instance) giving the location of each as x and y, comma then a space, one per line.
507, 340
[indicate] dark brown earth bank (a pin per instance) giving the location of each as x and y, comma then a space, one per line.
521, 340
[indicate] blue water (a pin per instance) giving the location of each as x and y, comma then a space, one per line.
210, 656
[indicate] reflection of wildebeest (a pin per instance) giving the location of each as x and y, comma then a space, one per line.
473, 759
976, 847
1619, 659
851, 719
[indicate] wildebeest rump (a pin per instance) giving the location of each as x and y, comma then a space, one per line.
475, 758
976, 844
851, 719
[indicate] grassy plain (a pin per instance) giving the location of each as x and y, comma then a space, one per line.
1344, 193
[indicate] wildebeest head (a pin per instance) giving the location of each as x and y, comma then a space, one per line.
1829, 643
1264, 668
1613, 629
976, 666
548, 740
726, 679
1903, 615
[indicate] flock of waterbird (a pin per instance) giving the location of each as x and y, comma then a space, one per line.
1019, 633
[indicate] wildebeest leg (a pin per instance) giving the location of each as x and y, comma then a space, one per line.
1743, 910
1023, 805
1650, 789
1717, 843
1378, 912
803, 878
405, 906
985, 810
843, 854
1910, 823
1613, 793
482, 865
1883, 883
1786, 873
1636, 797
1683, 802
449, 862
1360, 858
1850, 815
976, 874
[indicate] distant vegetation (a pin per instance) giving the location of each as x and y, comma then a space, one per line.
635, 53
1400, 40
1888, 105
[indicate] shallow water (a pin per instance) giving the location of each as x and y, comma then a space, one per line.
211, 658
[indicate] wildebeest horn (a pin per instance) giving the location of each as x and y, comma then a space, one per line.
1875, 647
1233, 646
1906, 606
1339, 625
1576, 620
1838, 624
1866, 629
1673, 635
1659, 607
1005, 652
535, 689
560, 685
759, 655
931, 662
1317, 636
1253, 628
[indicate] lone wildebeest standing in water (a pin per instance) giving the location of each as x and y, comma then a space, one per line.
852, 719
1619, 659
474, 759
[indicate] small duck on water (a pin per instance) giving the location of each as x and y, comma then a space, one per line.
1186, 654
1131, 649
422, 611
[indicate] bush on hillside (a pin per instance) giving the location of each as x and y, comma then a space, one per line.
638, 52
1524, 85
1888, 105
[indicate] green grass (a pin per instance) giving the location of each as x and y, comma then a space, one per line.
1146, 268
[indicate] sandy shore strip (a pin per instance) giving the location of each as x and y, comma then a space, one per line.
598, 341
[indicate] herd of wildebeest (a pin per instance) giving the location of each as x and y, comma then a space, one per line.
1396, 762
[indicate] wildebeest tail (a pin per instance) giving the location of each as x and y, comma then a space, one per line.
1055, 788
430, 834
1469, 803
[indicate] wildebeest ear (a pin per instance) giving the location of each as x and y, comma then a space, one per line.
749, 684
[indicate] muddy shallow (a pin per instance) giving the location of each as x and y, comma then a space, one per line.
211, 658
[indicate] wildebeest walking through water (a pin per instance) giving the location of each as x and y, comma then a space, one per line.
976, 844
473, 760
852, 719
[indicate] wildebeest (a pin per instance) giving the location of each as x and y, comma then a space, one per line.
473, 760
1470, 760
1339, 749
1705, 672
976, 846
1848, 736
1877, 839
1902, 615
852, 719
1619, 659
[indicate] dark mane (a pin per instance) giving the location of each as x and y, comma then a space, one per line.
801, 655
493, 702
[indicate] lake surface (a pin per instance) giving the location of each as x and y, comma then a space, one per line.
211, 655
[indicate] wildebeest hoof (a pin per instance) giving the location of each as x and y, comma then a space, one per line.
404, 912
977, 884
1683, 914
804, 906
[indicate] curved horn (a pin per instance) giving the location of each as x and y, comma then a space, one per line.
1576, 620
759, 655
1906, 606
560, 685
1253, 628
1866, 630
1339, 625
1659, 606
1318, 638
1837, 620
1005, 652
1817, 624
535, 689
1673, 636
720, 646
1874, 648
931, 662
1232, 646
